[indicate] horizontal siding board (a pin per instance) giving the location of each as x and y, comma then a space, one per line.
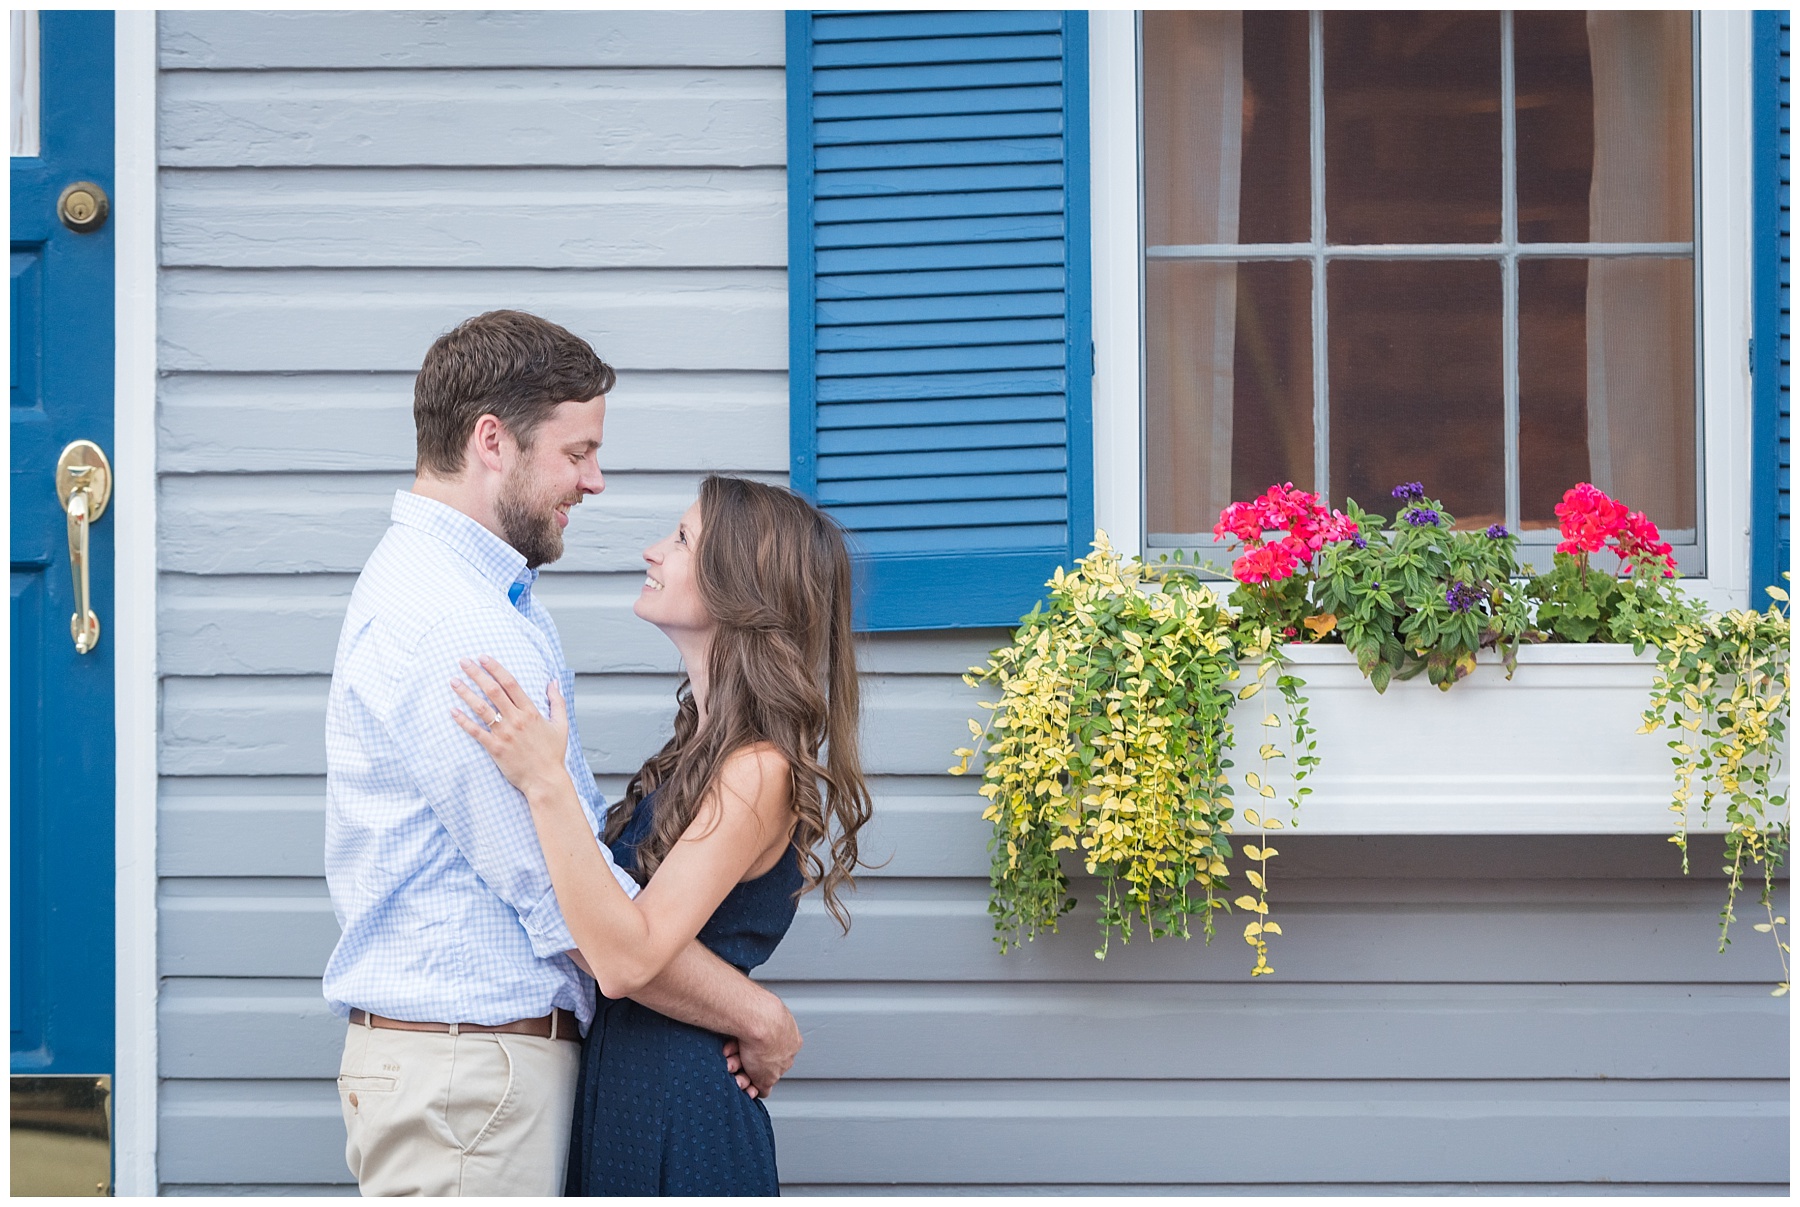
358, 422
275, 725
288, 625
200, 41
330, 523
493, 218
622, 118
1119, 1132
1545, 933
250, 1132
1128, 1132
353, 320
281, 1028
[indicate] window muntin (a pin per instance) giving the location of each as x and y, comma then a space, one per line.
1530, 318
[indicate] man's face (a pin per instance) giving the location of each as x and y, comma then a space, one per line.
558, 470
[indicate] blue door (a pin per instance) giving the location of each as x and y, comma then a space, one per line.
62, 699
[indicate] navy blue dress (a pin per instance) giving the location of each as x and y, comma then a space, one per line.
656, 1111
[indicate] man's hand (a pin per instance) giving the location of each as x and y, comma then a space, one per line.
759, 1061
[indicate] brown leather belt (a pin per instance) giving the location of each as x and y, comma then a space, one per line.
558, 1024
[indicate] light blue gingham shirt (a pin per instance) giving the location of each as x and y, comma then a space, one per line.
431, 856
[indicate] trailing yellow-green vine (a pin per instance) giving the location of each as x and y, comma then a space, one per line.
1722, 686
1111, 739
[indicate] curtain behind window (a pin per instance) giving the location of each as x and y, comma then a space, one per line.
1640, 312
1192, 161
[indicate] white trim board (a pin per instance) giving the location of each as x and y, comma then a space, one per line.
1724, 167
1118, 356
133, 627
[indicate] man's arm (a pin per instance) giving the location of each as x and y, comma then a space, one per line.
700, 989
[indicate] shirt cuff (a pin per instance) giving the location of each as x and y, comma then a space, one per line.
545, 927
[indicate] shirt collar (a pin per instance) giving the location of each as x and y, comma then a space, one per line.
496, 561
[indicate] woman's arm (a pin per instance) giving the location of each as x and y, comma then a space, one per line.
626, 942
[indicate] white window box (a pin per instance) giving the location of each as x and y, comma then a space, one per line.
1555, 750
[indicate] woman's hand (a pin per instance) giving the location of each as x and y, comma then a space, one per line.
528, 748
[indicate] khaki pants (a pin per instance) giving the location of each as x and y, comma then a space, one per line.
430, 1113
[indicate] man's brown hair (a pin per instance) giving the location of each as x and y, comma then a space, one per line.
506, 363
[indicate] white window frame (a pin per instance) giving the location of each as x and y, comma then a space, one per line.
1724, 156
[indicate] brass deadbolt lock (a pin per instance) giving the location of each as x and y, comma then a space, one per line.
82, 207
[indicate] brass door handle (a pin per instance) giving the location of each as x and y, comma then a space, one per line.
84, 485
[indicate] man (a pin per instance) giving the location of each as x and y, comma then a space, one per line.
455, 971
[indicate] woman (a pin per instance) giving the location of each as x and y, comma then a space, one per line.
724, 827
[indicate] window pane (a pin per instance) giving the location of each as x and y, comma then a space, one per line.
1229, 386
1554, 86
1605, 105
1412, 127
1225, 128
1416, 384
1606, 386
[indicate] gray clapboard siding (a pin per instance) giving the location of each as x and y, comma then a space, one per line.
1258, 1189
1337, 932
619, 117
374, 320
1256, 1130
336, 422
273, 725
463, 217
217, 40
1120, 1132
271, 624
275, 826
330, 523
878, 1031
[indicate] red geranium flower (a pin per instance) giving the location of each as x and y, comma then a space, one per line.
1588, 518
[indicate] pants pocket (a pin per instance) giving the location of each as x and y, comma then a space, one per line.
482, 1091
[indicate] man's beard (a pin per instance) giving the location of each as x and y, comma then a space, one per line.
528, 523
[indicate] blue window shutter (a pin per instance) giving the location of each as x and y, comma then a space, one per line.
940, 353
1769, 359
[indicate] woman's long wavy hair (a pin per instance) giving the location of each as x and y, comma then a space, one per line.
774, 574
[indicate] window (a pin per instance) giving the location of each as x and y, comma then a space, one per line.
1451, 247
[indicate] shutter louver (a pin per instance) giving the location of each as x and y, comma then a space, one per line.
938, 275
1769, 552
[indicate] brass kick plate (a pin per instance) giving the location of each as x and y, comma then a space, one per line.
62, 1135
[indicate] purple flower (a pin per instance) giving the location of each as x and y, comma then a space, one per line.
1422, 517
1360, 541
1410, 490
1462, 597
1497, 531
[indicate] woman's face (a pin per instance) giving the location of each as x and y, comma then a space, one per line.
670, 598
